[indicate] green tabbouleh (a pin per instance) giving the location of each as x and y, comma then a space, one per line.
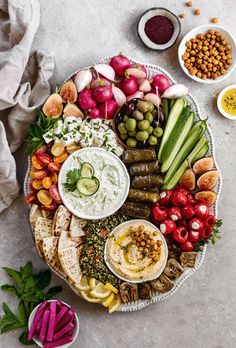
92, 254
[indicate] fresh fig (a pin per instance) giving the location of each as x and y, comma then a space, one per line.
53, 106
203, 165
72, 110
188, 180
68, 92
208, 197
208, 180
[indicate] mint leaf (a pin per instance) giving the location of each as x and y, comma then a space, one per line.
14, 274
43, 279
53, 291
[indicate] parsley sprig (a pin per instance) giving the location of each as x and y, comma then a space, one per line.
29, 289
216, 235
72, 177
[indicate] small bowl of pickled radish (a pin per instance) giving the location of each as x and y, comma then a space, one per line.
226, 102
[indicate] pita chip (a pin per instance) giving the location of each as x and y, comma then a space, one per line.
61, 220
69, 258
76, 228
35, 213
50, 253
65, 241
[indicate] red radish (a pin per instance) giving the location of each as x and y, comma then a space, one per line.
145, 86
180, 234
58, 343
100, 82
119, 96
67, 318
120, 63
138, 95
105, 70
85, 99
202, 210
188, 211
193, 236
161, 82
167, 226
140, 67
94, 113
102, 94
153, 98
137, 73
196, 224
129, 85
165, 197
52, 320
108, 109
64, 330
187, 246
175, 213
44, 326
37, 316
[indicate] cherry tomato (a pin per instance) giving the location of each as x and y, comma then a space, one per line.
44, 159
54, 177
54, 167
175, 213
180, 234
193, 236
44, 197
210, 221
167, 226
182, 223
37, 184
47, 182
187, 246
191, 199
159, 212
196, 224
57, 149
178, 199
181, 189
36, 163
53, 190
205, 233
188, 211
40, 174
31, 198
165, 197
61, 158
49, 207
41, 150
202, 210
31, 187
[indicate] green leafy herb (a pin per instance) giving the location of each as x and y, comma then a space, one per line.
28, 288
72, 177
36, 131
216, 235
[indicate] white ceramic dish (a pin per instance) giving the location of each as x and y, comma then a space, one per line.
202, 30
75, 332
134, 306
164, 249
90, 212
219, 105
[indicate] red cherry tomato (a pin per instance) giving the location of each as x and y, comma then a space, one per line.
180, 234
181, 189
182, 223
44, 159
167, 226
53, 190
191, 199
41, 150
49, 207
210, 221
159, 212
188, 211
201, 210
175, 213
205, 232
193, 236
40, 174
178, 199
165, 197
187, 246
54, 167
31, 198
196, 224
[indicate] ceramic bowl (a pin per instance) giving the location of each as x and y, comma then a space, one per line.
220, 108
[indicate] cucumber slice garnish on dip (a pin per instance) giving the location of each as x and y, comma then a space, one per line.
87, 170
88, 186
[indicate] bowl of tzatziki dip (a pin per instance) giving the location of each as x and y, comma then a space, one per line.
93, 183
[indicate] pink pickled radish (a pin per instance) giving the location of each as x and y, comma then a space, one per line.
119, 96
138, 95
69, 317
44, 326
36, 320
61, 313
59, 342
63, 331
52, 321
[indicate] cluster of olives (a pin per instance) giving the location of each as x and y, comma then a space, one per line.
140, 126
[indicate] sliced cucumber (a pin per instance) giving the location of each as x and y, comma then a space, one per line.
186, 148
188, 161
172, 101
171, 122
88, 186
201, 153
202, 123
177, 138
165, 107
87, 170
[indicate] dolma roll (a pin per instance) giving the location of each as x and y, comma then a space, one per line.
146, 181
143, 196
144, 168
134, 156
134, 209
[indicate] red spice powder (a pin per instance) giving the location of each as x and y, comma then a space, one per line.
159, 29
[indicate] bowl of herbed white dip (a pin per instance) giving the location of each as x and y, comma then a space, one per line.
93, 183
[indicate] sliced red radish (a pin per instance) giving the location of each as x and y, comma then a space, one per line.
145, 86
135, 72
153, 98
119, 96
100, 82
138, 95
82, 79
106, 71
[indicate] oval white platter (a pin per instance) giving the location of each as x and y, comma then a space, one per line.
133, 306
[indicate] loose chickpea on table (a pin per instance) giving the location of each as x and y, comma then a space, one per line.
207, 55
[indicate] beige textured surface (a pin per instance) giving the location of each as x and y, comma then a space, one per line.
202, 313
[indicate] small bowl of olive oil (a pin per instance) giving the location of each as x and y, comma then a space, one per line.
226, 102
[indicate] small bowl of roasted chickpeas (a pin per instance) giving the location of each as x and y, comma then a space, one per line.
207, 54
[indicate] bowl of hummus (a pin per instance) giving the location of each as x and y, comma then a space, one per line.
136, 251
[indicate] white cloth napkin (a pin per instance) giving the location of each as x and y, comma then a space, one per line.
24, 85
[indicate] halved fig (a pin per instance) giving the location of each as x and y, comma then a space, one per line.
208, 197
203, 165
72, 110
208, 180
53, 106
188, 180
68, 92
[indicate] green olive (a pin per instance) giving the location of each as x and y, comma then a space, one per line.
137, 115
142, 135
122, 129
150, 106
148, 116
125, 118
143, 125
132, 134
131, 124
123, 136
152, 140
158, 132
131, 142
150, 130
142, 106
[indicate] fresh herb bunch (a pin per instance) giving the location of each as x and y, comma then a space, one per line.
28, 289
213, 238
72, 177
35, 132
